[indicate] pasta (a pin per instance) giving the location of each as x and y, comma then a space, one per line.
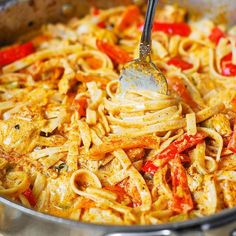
73, 146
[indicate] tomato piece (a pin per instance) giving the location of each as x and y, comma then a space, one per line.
177, 85
178, 146
130, 16
181, 29
14, 53
216, 35
232, 142
116, 53
228, 68
30, 197
81, 105
178, 62
182, 199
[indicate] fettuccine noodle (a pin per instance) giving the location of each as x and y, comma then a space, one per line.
73, 146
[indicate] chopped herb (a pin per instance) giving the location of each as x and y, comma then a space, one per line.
60, 167
17, 126
12, 85
148, 176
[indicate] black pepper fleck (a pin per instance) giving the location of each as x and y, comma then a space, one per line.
17, 126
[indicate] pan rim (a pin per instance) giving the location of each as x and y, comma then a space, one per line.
218, 219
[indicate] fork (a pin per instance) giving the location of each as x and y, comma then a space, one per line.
142, 73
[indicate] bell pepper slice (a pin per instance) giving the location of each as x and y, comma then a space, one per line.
216, 35
150, 167
228, 68
116, 53
30, 197
95, 12
81, 105
181, 29
182, 199
14, 53
118, 190
177, 85
130, 16
178, 146
233, 104
178, 62
101, 24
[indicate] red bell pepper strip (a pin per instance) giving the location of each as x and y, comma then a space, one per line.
130, 16
227, 58
30, 197
216, 35
233, 104
118, 190
178, 62
81, 105
184, 158
101, 24
178, 146
15, 53
228, 68
152, 168
179, 87
182, 199
232, 142
116, 53
95, 11
181, 29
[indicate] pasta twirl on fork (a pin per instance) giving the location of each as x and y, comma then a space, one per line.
72, 146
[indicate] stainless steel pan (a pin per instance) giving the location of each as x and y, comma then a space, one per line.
20, 16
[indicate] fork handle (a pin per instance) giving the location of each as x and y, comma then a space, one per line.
146, 42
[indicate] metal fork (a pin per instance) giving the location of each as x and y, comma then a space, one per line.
141, 73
